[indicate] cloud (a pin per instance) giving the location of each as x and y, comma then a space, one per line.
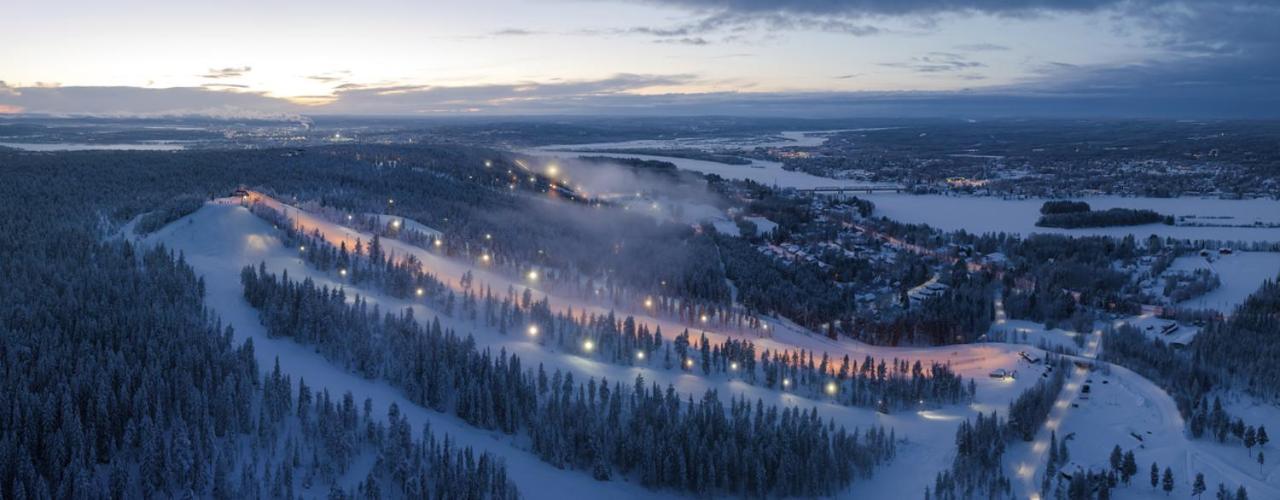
224, 86
858, 8
515, 32
1208, 87
216, 73
697, 40
734, 26
330, 77
937, 62
981, 47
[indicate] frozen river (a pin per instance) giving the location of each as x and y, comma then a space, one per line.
972, 213
762, 171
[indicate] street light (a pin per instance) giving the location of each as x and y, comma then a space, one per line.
640, 355
588, 345
342, 272
648, 303
832, 388
533, 275
420, 292
533, 330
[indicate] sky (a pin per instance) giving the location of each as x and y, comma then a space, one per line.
821, 58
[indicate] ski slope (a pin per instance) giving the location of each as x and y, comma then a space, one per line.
219, 240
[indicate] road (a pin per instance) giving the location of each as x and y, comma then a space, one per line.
1029, 461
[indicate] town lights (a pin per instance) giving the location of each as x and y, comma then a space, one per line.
533, 330
420, 292
832, 388
588, 345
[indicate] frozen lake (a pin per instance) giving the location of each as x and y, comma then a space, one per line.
76, 146
978, 214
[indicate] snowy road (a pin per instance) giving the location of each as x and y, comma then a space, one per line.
1029, 460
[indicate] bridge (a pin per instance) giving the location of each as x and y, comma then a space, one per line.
864, 188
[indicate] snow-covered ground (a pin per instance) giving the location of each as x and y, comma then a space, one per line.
1241, 274
220, 239
1122, 403
984, 214
1017, 331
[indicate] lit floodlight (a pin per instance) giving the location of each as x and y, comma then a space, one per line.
640, 355
588, 345
832, 388
533, 330
420, 292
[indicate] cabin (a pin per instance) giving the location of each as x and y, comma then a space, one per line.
240, 193
1030, 358
1003, 373
1224, 251
1169, 328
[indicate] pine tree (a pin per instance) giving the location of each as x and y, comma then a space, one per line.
1130, 467
1198, 487
1155, 475
1167, 482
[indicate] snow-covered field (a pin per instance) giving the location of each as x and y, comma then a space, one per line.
983, 214
1241, 273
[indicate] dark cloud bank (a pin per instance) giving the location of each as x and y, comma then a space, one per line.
1223, 62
